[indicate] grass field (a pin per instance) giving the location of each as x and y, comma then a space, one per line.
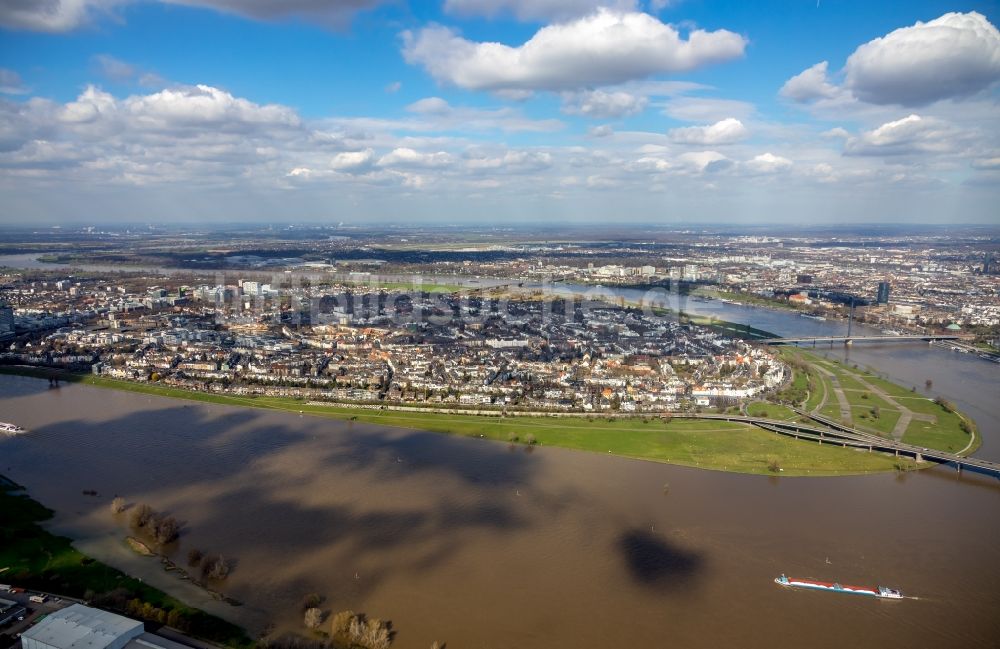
944, 432
34, 558
771, 411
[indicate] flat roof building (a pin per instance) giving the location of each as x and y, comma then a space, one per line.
81, 627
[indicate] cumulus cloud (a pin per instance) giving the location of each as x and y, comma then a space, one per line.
909, 135
952, 57
430, 106
353, 161
407, 157
533, 9
809, 84
603, 48
603, 104
67, 15
955, 55
704, 161
191, 106
767, 163
727, 131
510, 161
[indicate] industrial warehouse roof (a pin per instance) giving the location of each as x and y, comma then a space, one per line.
82, 627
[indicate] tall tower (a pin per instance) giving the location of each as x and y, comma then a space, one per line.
883, 292
6, 321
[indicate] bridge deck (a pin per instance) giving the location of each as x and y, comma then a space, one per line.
847, 436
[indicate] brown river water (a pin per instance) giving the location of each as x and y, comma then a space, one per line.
481, 545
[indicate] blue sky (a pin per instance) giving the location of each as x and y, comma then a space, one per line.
509, 110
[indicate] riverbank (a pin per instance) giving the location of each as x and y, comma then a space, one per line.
32, 557
706, 444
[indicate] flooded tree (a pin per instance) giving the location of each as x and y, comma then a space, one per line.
117, 505
142, 515
214, 567
195, 556
165, 528
358, 631
313, 618
312, 600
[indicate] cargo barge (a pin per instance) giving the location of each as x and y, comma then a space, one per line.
833, 587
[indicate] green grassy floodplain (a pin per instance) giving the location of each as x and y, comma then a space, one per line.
943, 433
37, 559
707, 444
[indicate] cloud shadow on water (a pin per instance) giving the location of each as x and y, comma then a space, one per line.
655, 562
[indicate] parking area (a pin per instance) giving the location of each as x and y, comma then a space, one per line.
19, 612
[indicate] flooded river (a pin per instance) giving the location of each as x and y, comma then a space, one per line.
482, 545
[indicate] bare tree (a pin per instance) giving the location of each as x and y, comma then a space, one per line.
312, 600
214, 567
142, 515
195, 556
165, 529
117, 505
313, 618
341, 623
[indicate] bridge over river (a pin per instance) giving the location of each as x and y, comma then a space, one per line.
841, 435
849, 339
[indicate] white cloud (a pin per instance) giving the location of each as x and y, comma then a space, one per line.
200, 105
67, 15
430, 106
407, 157
10, 83
809, 84
603, 104
604, 130
393, 88
353, 160
704, 161
952, 57
767, 163
533, 9
511, 162
727, 131
909, 135
603, 48
955, 55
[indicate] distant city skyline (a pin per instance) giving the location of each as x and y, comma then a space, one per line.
499, 111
